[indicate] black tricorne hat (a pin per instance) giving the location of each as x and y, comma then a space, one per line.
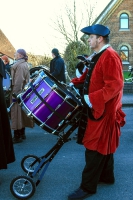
97, 29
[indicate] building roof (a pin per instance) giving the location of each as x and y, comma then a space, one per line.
5, 46
107, 12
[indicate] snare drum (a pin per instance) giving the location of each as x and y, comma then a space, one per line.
55, 106
7, 85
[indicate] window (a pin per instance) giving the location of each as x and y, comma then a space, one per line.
124, 53
124, 21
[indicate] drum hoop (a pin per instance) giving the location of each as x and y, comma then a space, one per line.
37, 68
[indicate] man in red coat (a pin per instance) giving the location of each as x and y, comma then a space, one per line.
103, 89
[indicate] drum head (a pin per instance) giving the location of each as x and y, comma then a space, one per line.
6, 82
35, 70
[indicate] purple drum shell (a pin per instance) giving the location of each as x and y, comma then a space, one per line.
48, 117
32, 104
29, 98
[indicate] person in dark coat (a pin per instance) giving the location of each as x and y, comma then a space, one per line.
57, 66
7, 66
6, 146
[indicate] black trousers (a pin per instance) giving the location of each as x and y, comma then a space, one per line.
98, 168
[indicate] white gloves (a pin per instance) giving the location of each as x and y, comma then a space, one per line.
87, 100
71, 84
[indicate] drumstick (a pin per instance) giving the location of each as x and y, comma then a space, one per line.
8, 109
73, 86
76, 90
68, 77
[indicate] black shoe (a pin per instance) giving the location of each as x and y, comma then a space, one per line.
22, 133
16, 140
23, 137
79, 194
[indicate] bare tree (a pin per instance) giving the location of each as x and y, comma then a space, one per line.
70, 30
36, 60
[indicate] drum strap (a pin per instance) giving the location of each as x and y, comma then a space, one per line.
48, 106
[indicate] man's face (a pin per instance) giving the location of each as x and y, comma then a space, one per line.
94, 42
4, 62
53, 55
17, 55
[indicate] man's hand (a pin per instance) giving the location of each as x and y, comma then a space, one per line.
71, 84
87, 100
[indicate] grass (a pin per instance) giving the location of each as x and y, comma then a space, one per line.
126, 73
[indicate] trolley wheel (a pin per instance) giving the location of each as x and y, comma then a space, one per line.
27, 162
22, 187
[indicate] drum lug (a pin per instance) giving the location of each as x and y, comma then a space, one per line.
41, 125
43, 76
26, 87
53, 131
61, 122
49, 116
29, 94
68, 115
58, 106
18, 96
67, 97
29, 114
54, 86
36, 85
21, 104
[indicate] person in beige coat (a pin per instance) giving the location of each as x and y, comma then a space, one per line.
20, 77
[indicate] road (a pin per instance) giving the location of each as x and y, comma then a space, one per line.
64, 172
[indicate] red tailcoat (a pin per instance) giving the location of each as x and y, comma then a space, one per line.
105, 93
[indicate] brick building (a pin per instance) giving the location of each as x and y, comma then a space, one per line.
118, 16
6, 48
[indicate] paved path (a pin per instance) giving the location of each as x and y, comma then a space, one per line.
127, 99
64, 172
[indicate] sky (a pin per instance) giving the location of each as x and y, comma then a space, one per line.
29, 24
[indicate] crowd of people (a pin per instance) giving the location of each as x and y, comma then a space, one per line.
101, 94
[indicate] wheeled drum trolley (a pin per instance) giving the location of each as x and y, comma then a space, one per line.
56, 110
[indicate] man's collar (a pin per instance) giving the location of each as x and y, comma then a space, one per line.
104, 47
